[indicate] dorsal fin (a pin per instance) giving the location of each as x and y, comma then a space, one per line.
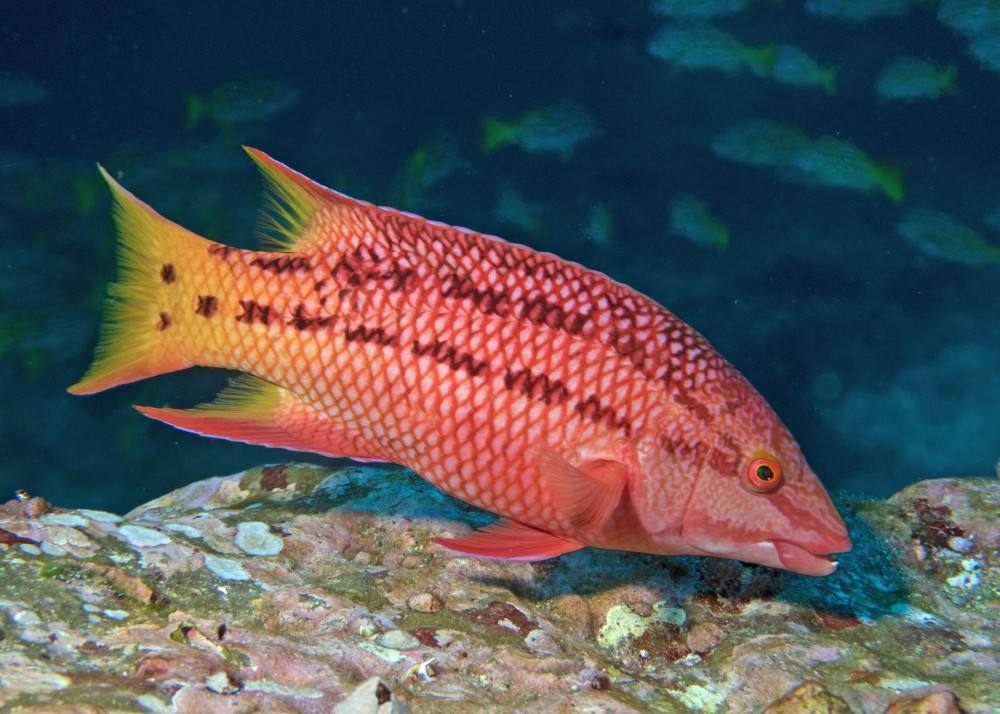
292, 203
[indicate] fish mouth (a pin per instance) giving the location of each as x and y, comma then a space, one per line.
799, 560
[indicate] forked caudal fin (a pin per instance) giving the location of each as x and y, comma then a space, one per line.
156, 256
135, 341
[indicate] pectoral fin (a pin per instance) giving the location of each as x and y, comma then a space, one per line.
587, 494
254, 411
510, 540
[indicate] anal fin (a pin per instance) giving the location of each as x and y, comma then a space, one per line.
257, 412
510, 540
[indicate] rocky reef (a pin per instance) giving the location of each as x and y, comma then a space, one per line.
295, 588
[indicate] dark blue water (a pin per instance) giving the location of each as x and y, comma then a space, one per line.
882, 359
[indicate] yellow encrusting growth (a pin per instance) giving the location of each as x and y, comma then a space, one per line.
134, 340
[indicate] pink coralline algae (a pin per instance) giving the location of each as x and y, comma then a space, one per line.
301, 589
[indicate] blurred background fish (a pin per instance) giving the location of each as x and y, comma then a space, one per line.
826, 161
241, 102
941, 235
859, 10
17, 90
699, 9
557, 128
793, 65
910, 78
437, 159
702, 46
691, 219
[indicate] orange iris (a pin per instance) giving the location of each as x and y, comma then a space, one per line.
763, 474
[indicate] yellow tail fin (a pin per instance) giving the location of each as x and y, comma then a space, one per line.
135, 336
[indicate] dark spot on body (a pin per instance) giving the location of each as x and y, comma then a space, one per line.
207, 305
281, 263
699, 410
536, 386
220, 250
164, 322
364, 333
448, 355
592, 409
254, 311
301, 320
486, 299
167, 273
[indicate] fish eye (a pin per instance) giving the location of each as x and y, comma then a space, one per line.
763, 474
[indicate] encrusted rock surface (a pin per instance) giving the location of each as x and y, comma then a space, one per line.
299, 589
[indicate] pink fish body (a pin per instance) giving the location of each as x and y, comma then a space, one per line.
579, 410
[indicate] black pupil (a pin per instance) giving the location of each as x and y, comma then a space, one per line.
765, 472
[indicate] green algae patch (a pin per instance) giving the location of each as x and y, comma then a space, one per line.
59, 570
358, 586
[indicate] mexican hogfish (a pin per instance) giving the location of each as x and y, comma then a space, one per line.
579, 410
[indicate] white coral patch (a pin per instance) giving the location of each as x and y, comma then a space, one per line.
226, 568
256, 538
969, 577
142, 537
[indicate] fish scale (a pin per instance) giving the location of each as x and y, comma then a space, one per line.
579, 410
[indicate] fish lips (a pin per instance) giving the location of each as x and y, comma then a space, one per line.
775, 554
799, 560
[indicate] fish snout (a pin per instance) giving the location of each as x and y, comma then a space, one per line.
814, 555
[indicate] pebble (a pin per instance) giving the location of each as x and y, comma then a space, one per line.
425, 602
960, 545
398, 640
372, 697
102, 516
256, 538
183, 529
54, 550
541, 643
142, 537
226, 568
26, 617
63, 519
220, 684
